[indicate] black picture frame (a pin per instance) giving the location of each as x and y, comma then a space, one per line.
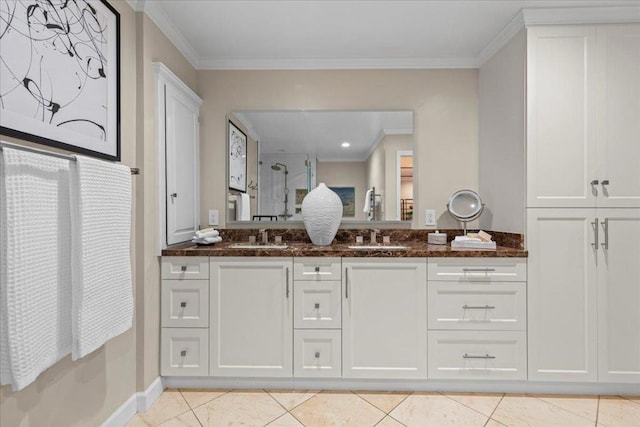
77, 108
237, 158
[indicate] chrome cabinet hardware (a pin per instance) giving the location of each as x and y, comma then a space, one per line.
317, 306
478, 356
478, 307
287, 282
174, 195
595, 182
346, 283
483, 270
317, 355
605, 182
605, 225
183, 304
595, 227
183, 268
317, 268
316, 272
183, 353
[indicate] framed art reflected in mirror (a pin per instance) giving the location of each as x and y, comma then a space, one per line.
237, 158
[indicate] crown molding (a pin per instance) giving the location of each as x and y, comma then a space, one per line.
513, 27
334, 63
136, 5
175, 36
581, 15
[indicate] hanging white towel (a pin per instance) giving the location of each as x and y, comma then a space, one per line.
35, 285
102, 292
243, 207
367, 201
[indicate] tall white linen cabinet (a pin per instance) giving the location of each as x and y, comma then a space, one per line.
583, 202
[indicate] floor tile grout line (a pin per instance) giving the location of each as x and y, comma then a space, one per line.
278, 402
629, 399
208, 401
467, 406
494, 410
360, 397
566, 410
196, 417
399, 403
597, 412
315, 393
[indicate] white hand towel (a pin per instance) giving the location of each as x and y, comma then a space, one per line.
201, 235
35, 285
367, 201
243, 207
101, 262
207, 240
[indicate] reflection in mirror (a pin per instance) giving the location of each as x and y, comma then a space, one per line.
364, 156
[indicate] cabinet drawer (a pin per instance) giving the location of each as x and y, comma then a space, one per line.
477, 306
317, 353
185, 303
184, 352
477, 355
317, 305
477, 269
185, 267
316, 268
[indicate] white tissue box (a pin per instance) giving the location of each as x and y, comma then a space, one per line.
437, 238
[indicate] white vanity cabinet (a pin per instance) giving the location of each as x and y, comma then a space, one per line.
251, 300
477, 318
384, 318
317, 346
184, 316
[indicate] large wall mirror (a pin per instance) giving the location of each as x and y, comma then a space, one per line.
364, 156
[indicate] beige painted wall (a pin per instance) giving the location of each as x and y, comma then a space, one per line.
87, 391
445, 103
502, 138
154, 47
346, 174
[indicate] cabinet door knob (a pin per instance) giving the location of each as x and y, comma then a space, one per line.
183, 304
316, 306
595, 182
173, 195
317, 355
183, 353
183, 268
605, 182
317, 269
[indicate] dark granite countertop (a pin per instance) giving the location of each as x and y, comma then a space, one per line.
509, 245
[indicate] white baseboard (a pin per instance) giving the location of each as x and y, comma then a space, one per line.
138, 402
146, 398
534, 387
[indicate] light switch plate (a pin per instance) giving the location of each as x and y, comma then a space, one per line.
430, 217
213, 217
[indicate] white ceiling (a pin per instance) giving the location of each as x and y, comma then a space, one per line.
321, 133
299, 34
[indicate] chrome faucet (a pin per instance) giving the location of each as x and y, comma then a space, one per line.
265, 236
374, 234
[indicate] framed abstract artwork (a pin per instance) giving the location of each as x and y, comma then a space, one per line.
60, 74
348, 198
237, 158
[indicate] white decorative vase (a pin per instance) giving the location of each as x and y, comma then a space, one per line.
322, 213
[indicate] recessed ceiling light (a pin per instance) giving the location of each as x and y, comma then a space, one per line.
346, 144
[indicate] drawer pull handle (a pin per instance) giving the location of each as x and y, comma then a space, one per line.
183, 268
317, 355
481, 270
183, 304
287, 292
183, 353
471, 356
478, 307
316, 272
317, 306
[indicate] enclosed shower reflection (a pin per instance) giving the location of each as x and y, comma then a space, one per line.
276, 167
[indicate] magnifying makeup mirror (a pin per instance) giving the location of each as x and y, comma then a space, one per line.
465, 206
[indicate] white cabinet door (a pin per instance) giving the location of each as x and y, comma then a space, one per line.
384, 318
619, 296
251, 317
619, 115
182, 158
561, 133
562, 292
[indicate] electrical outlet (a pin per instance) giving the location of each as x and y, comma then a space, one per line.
430, 217
213, 217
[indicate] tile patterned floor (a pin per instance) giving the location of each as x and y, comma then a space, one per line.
295, 408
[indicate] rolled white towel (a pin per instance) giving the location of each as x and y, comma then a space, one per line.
207, 240
201, 235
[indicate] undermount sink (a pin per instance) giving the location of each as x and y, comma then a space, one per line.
257, 246
379, 247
